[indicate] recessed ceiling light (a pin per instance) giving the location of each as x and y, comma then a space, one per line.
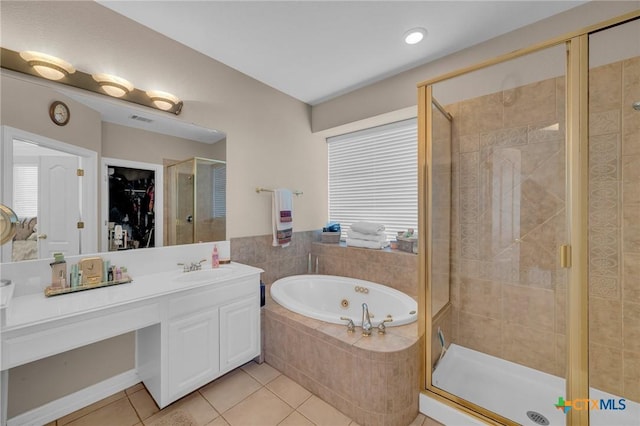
414, 35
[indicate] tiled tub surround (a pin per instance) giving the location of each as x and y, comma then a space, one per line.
508, 300
374, 380
393, 268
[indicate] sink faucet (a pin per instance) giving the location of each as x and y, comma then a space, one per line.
366, 321
194, 266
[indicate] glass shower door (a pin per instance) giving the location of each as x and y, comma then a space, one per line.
499, 344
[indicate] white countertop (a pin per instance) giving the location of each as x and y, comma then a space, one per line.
33, 309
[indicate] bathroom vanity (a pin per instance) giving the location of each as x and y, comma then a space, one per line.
191, 327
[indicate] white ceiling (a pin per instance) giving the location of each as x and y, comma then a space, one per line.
316, 50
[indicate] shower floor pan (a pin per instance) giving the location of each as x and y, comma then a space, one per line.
512, 390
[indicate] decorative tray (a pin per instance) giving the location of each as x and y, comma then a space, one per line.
56, 291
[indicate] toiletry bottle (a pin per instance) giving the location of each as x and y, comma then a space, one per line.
215, 260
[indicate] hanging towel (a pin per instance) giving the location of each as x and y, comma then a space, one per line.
282, 202
367, 227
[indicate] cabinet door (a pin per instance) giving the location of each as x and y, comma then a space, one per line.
239, 333
193, 352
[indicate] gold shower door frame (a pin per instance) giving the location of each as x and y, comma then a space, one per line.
576, 254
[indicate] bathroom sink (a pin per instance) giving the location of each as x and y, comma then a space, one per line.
203, 275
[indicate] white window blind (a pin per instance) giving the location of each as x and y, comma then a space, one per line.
373, 176
219, 191
25, 190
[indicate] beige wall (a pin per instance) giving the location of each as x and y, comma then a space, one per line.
399, 92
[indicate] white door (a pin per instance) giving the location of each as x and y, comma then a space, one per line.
239, 333
58, 206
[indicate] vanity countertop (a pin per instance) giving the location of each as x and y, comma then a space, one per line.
33, 309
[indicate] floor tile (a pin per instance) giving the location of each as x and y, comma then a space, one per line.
90, 408
193, 404
418, 420
219, 421
119, 413
261, 408
322, 414
230, 389
135, 388
289, 391
264, 373
53, 423
431, 422
143, 403
296, 419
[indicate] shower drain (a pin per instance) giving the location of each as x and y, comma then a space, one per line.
537, 418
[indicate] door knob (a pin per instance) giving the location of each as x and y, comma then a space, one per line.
42, 236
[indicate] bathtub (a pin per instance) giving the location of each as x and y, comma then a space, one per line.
513, 390
329, 297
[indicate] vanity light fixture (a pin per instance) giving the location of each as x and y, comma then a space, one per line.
113, 85
163, 100
414, 35
47, 66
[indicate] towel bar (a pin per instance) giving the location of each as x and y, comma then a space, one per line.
259, 189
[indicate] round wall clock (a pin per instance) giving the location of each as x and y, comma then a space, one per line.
59, 113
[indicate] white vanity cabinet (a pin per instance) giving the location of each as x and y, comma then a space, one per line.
190, 330
210, 331
194, 356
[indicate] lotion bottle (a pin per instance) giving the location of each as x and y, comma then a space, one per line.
215, 259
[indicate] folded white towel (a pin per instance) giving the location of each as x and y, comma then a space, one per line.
367, 227
282, 203
354, 242
380, 236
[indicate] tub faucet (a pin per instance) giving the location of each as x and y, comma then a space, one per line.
366, 321
351, 327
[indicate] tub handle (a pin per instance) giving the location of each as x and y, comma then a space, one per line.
382, 329
351, 327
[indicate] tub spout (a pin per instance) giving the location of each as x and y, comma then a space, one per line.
366, 321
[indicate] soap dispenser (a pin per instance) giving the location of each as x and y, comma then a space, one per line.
215, 258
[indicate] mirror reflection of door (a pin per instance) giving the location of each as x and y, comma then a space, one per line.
47, 214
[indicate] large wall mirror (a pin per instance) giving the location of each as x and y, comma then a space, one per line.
60, 211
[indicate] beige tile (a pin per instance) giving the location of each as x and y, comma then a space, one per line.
529, 306
143, 403
263, 373
90, 408
631, 326
531, 103
229, 390
135, 388
296, 419
119, 413
419, 420
289, 391
631, 277
529, 347
605, 368
431, 422
631, 379
261, 408
219, 421
53, 423
481, 297
322, 414
601, 123
192, 406
479, 333
605, 88
605, 321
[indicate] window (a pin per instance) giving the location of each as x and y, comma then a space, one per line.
219, 176
25, 190
373, 176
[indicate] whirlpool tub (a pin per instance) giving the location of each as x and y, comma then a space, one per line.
329, 297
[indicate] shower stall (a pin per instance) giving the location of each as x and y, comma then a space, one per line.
196, 201
530, 256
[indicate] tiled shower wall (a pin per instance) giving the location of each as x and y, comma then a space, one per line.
508, 292
614, 228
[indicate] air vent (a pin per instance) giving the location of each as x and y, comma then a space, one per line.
140, 118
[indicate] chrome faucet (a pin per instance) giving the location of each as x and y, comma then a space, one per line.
366, 321
194, 266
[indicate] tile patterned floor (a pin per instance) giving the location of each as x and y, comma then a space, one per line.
255, 394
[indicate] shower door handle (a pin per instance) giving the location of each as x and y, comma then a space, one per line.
190, 219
